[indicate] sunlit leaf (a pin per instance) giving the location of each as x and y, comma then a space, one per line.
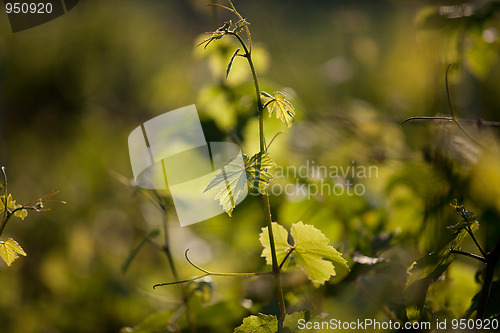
433, 265
258, 324
230, 64
22, 213
228, 184
11, 206
233, 178
257, 175
310, 250
280, 243
277, 103
311, 246
10, 251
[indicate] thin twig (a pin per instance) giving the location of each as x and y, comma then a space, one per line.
471, 255
286, 257
469, 231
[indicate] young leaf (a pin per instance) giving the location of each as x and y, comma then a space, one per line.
233, 178
433, 265
279, 104
229, 183
230, 64
10, 250
311, 246
11, 206
280, 243
257, 175
240, 25
258, 324
310, 249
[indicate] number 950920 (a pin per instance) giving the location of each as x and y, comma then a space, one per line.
28, 8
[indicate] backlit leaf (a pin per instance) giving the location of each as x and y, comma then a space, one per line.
277, 103
11, 206
228, 184
234, 176
257, 175
280, 243
310, 250
10, 250
311, 246
258, 324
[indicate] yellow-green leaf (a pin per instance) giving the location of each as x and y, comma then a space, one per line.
280, 243
311, 246
257, 175
11, 206
21, 214
258, 324
10, 250
229, 183
235, 175
277, 103
310, 250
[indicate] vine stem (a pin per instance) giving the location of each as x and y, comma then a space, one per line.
265, 198
492, 259
5, 217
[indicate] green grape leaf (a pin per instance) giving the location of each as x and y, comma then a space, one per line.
311, 246
310, 250
258, 324
229, 183
240, 25
230, 64
280, 243
433, 265
292, 324
10, 250
257, 175
234, 176
277, 103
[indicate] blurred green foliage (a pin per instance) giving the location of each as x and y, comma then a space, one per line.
72, 90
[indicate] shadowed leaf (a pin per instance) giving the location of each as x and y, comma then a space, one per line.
433, 265
230, 64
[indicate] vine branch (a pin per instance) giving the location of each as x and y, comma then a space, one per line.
208, 273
